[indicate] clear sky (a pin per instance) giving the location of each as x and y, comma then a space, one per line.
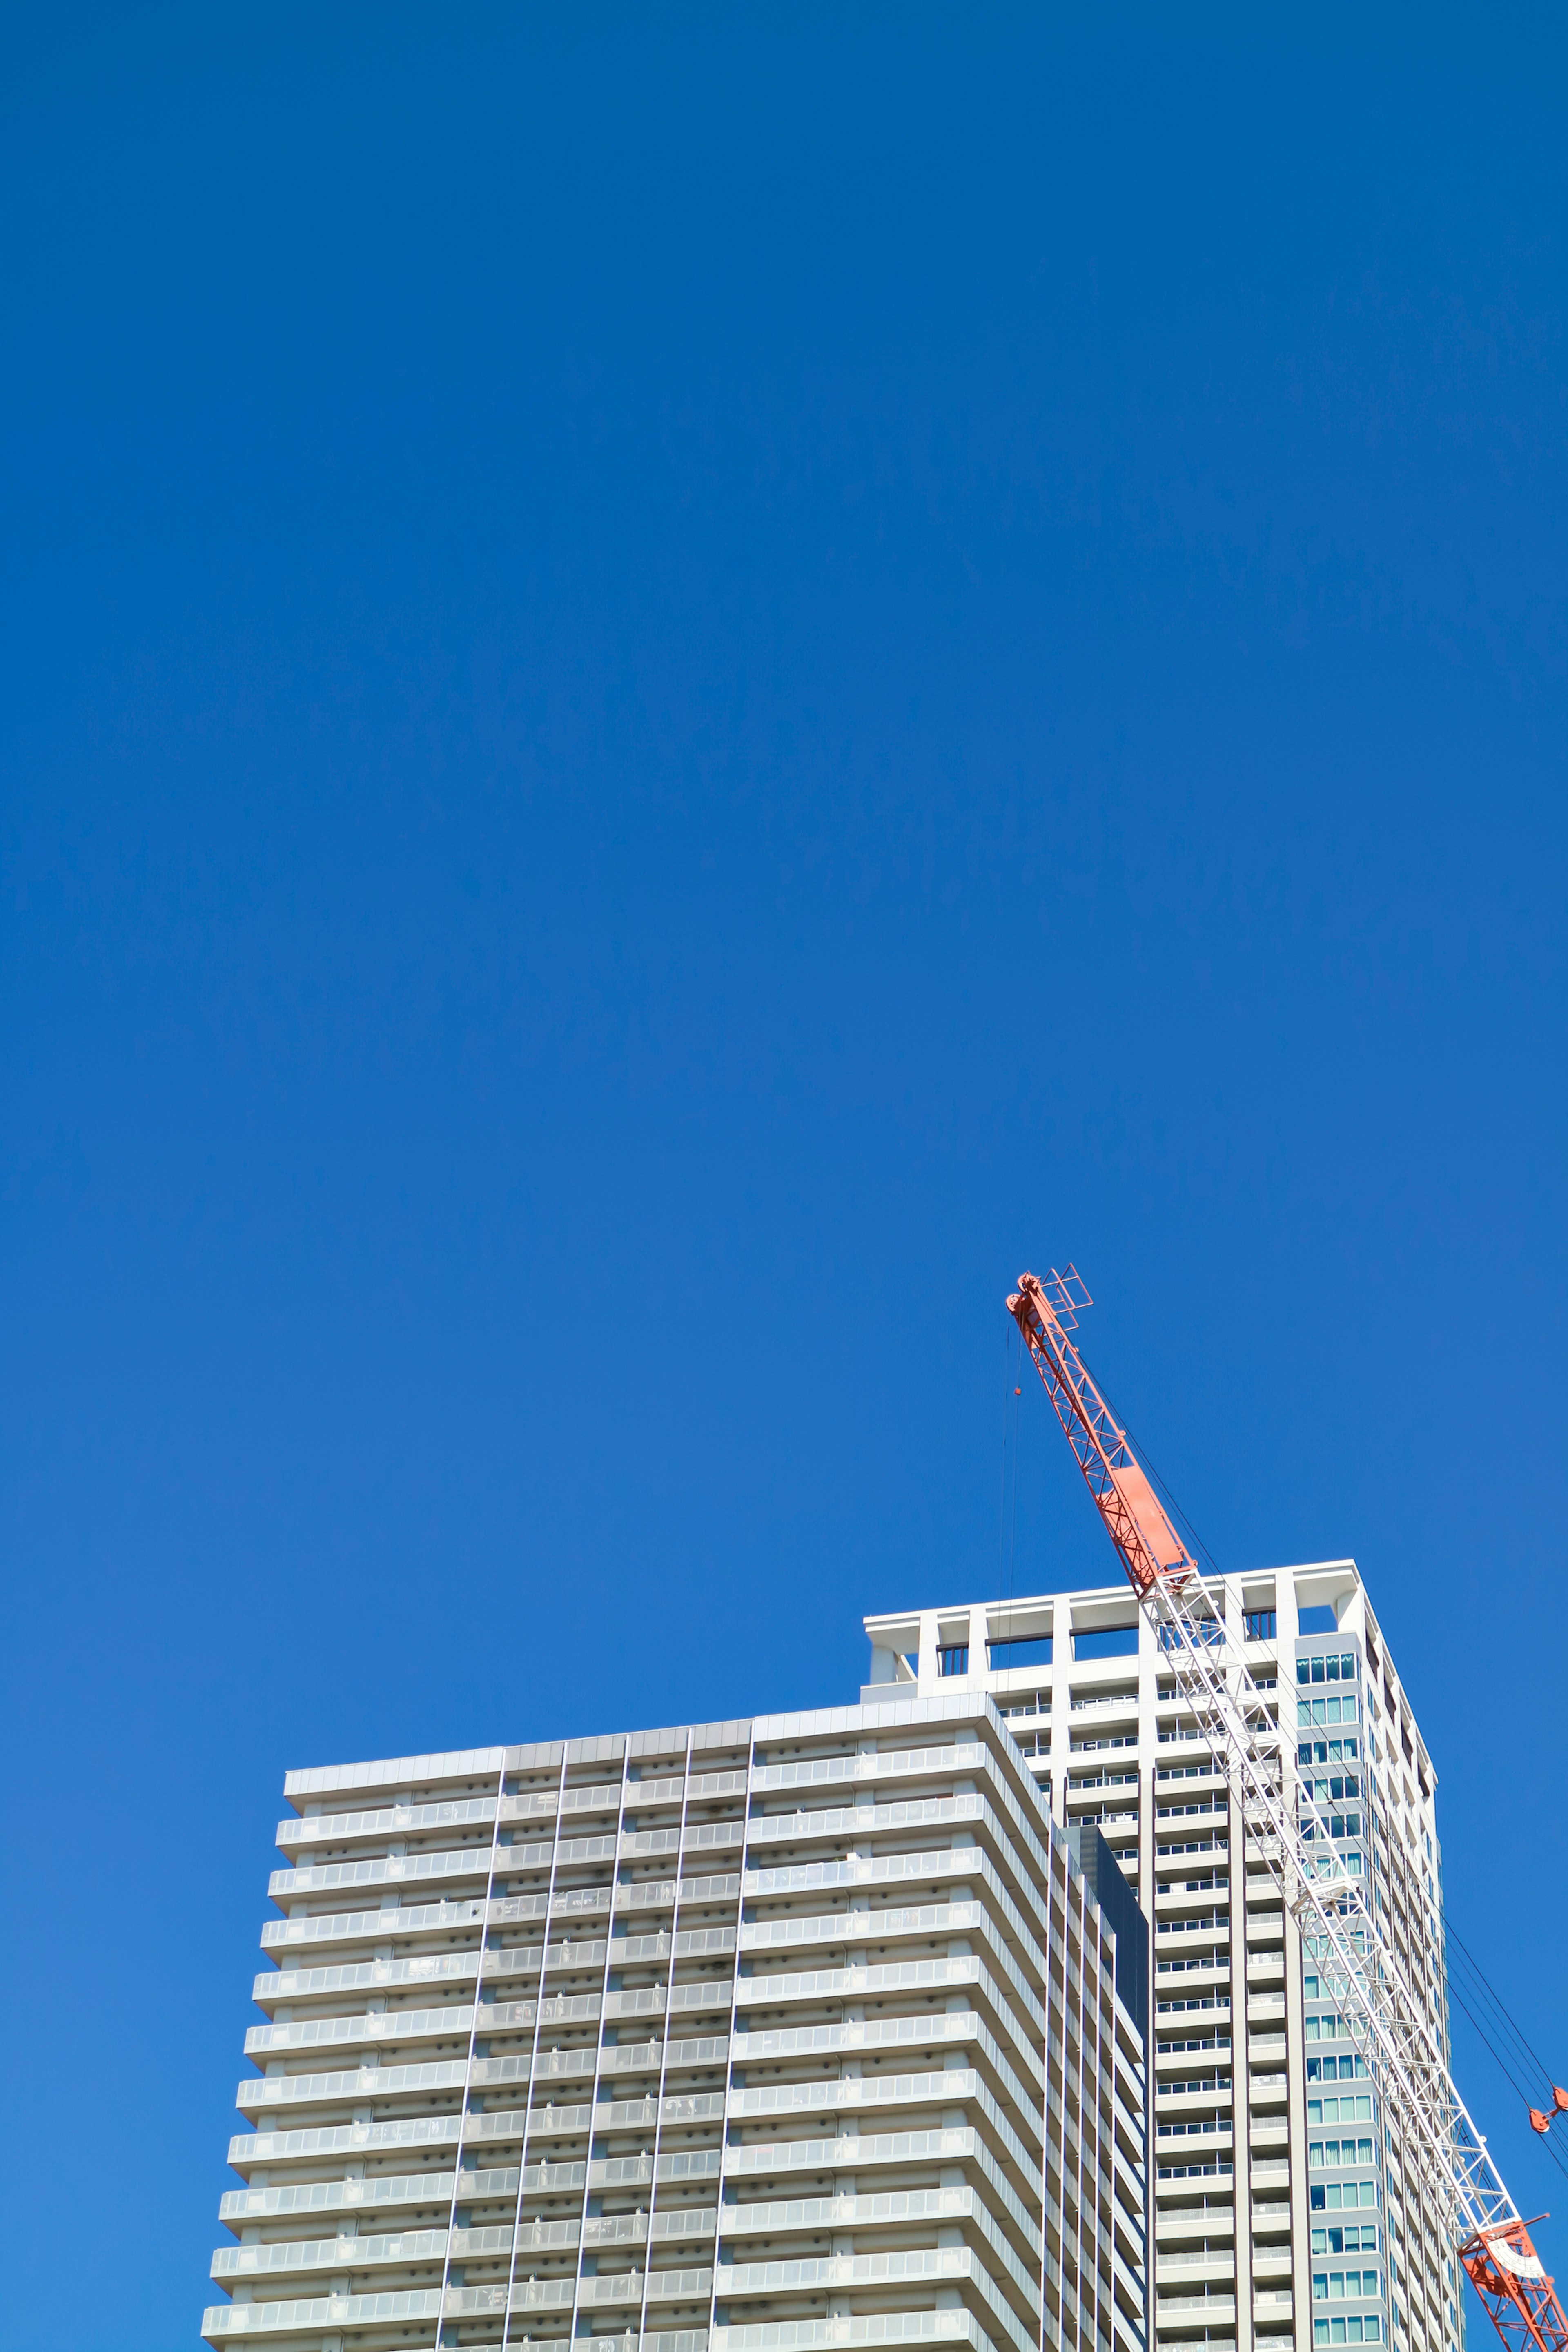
678, 687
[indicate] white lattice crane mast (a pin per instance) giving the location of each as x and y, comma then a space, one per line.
1396, 2029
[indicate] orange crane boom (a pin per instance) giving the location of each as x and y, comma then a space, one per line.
1396, 2027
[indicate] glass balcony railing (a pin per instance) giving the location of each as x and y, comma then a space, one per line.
327, 2253
391, 1870
951, 2145
661, 2286
318, 2197
370, 2025
388, 1821
914, 1812
354, 1976
360, 2083
361, 1926
839, 1926
828, 2271
341, 2139
830, 1771
318, 2312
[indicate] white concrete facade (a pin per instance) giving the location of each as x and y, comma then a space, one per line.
779, 2033
1257, 2165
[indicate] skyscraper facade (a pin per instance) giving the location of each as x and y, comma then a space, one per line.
1282, 2209
803, 2030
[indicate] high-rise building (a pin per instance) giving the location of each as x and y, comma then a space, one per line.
806, 2031
1282, 2210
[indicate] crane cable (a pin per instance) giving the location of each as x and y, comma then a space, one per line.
1504, 2040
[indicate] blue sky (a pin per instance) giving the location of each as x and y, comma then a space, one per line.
678, 687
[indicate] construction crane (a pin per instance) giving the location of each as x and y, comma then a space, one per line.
1397, 2029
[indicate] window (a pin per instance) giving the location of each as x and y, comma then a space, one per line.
1349, 2068
1327, 1751
1351, 2239
1326, 1670
1341, 2110
1342, 2286
1348, 2331
1259, 1625
1330, 2155
1342, 2196
1313, 1711
954, 1660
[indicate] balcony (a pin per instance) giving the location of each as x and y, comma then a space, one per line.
1203, 1890
829, 1772
274, 1985
637, 2171
1271, 2262
359, 2084
663, 2286
247, 2148
1217, 2310
831, 2274
313, 2199
371, 2025
397, 1869
868, 1821
844, 2212
858, 1981
954, 2326
938, 2089
325, 2253
388, 1822
328, 2312
951, 2145
839, 1927
1181, 2267
376, 1926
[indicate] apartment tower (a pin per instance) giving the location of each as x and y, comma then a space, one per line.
1282, 2210
806, 2031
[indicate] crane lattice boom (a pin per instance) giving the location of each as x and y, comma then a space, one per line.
1397, 2030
